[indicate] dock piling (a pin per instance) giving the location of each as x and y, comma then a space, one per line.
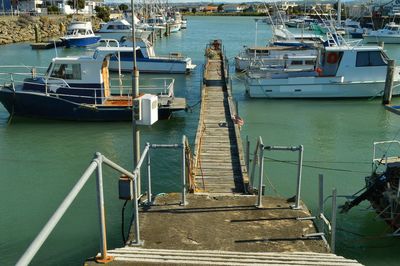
37, 33
387, 93
333, 220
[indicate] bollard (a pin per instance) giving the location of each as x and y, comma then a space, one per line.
387, 93
37, 33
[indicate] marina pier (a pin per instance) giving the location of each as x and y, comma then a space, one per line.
220, 223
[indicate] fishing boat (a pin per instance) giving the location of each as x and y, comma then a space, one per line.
80, 34
78, 88
389, 34
271, 56
382, 187
342, 71
116, 26
147, 60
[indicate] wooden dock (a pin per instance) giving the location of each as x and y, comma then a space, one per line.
217, 225
219, 165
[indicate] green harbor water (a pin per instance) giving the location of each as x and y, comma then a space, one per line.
41, 160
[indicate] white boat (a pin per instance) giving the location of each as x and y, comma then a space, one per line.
80, 34
342, 72
115, 26
184, 24
270, 56
389, 34
146, 59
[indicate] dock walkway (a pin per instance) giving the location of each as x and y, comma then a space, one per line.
219, 165
218, 225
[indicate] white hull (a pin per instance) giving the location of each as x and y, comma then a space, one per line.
314, 87
385, 39
172, 66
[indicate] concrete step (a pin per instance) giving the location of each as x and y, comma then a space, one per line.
215, 257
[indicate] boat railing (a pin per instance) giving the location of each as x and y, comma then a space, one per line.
129, 190
385, 152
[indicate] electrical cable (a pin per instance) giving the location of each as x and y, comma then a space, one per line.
123, 223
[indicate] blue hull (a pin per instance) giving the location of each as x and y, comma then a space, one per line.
37, 105
81, 42
356, 35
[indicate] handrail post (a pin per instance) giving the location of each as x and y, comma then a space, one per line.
260, 183
299, 172
149, 190
321, 202
100, 202
247, 153
183, 172
333, 222
137, 241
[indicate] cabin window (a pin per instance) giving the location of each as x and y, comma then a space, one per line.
310, 62
370, 58
67, 71
297, 62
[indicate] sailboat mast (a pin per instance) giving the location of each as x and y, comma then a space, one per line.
339, 12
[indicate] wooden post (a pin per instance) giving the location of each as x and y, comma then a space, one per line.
387, 94
167, 31
37, 33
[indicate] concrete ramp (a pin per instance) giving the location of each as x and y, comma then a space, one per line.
133, 255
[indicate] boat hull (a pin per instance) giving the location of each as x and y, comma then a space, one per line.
325, 88
80, 42
385, 39
38, 105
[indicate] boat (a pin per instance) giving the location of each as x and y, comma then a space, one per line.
382, 188
174, 27
280, 51
78, 88
184, 24
342, 71
270, 56
80, 34
147, 60
389, 34
116, 26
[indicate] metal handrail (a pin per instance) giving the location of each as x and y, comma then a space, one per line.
58, 214
323, 220
259, 150
96, 164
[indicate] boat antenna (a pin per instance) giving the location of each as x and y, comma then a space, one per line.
135, 94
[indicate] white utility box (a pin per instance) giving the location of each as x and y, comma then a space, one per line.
149, 109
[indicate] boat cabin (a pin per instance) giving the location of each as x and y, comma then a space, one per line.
392, 27
83, 79
353, 63
79, 28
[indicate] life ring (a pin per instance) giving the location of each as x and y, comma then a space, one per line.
332, 58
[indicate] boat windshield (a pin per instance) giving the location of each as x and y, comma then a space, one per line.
371, 58
66, 71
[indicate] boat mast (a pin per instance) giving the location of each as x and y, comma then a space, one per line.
135, 94
339, 12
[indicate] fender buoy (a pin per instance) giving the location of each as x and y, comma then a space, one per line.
319, 71
238, 120
332, 58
